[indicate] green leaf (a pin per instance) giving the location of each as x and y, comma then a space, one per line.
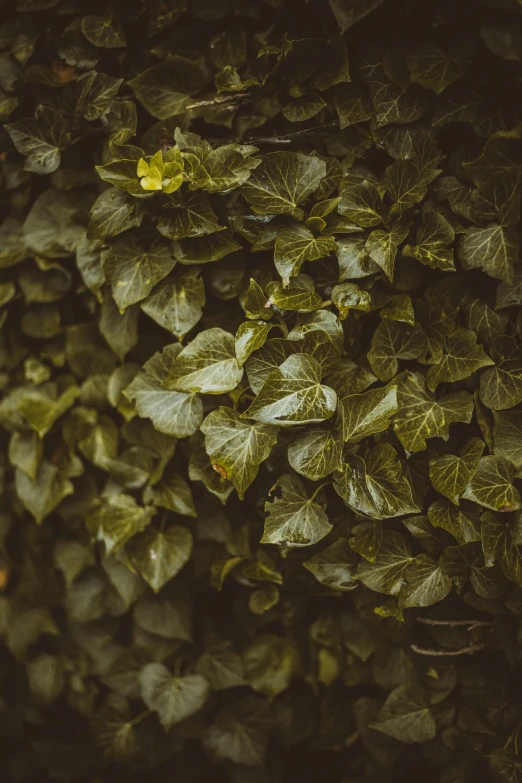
433, 241
207, 365
104, 31
133, 271
382, 246
422, 416
294, 518
362, 203
492, 248
256, 303
492, 485
450, 474
172, 492
239, 733
303, 108
115, 731
376, 487
299, 295
222, 667
316, 452
354, 260
172, 412
200, 469
225, 168
462, 357
40, 140
348, 296
406, 716
392, 104
501, 386
237, 447
250, 336
352, 104
262, 362
205, 249
391, 341
293, 394
432, 68
349, 12
112, 213
366, 414
95, 93
188, 215
165, 89
384, 573
296, 244
507, 433
177, 303
159, 556
425, 583
116, 519
407, 184
173, 698
334, 566
502, 38
282, 182
41, 495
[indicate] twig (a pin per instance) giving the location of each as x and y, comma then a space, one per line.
443, 653
456, 623
351, 739
287, 137
219, 99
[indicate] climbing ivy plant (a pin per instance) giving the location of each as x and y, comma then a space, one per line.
261, 372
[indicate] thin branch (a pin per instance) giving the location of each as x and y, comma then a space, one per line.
319, 488
448, 653
456, 623
286, 138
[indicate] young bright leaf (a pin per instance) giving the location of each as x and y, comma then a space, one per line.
293, 394
236, 446
294, 518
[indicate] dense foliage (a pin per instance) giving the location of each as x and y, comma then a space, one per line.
261, 371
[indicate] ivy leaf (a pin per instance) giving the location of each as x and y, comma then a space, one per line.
268, 358
240, 733
354, 260
205, 249
406, 716
294, 518
501, 386
237, 447
293, 394
391, 341
432, 68
116, 519
303, 108
166, 88
362, 204
422, 416
95, 93
407, 184
492, 485
352, 104
250, 336
159, 556
450, 474
40, 139
348, 12
172, 412
507, 433
425, 583
104, 31
366, 414
348, 296
133, 271
392, 104
41, 495
299, 295
376, 487
382, 246
177, 303
188, 215
461, 358
433, 241
255, 303
207, 365
296, 244
222, 667
334, 566
316, 452
282, 182
172, 492
384, 573
119, 329
225, 168
492, 248
112, 213
173, 698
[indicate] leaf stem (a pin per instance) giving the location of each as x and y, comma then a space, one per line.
326, 303
139, 718
239, 396
282, 326
319, 488
455, 623
449, 653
